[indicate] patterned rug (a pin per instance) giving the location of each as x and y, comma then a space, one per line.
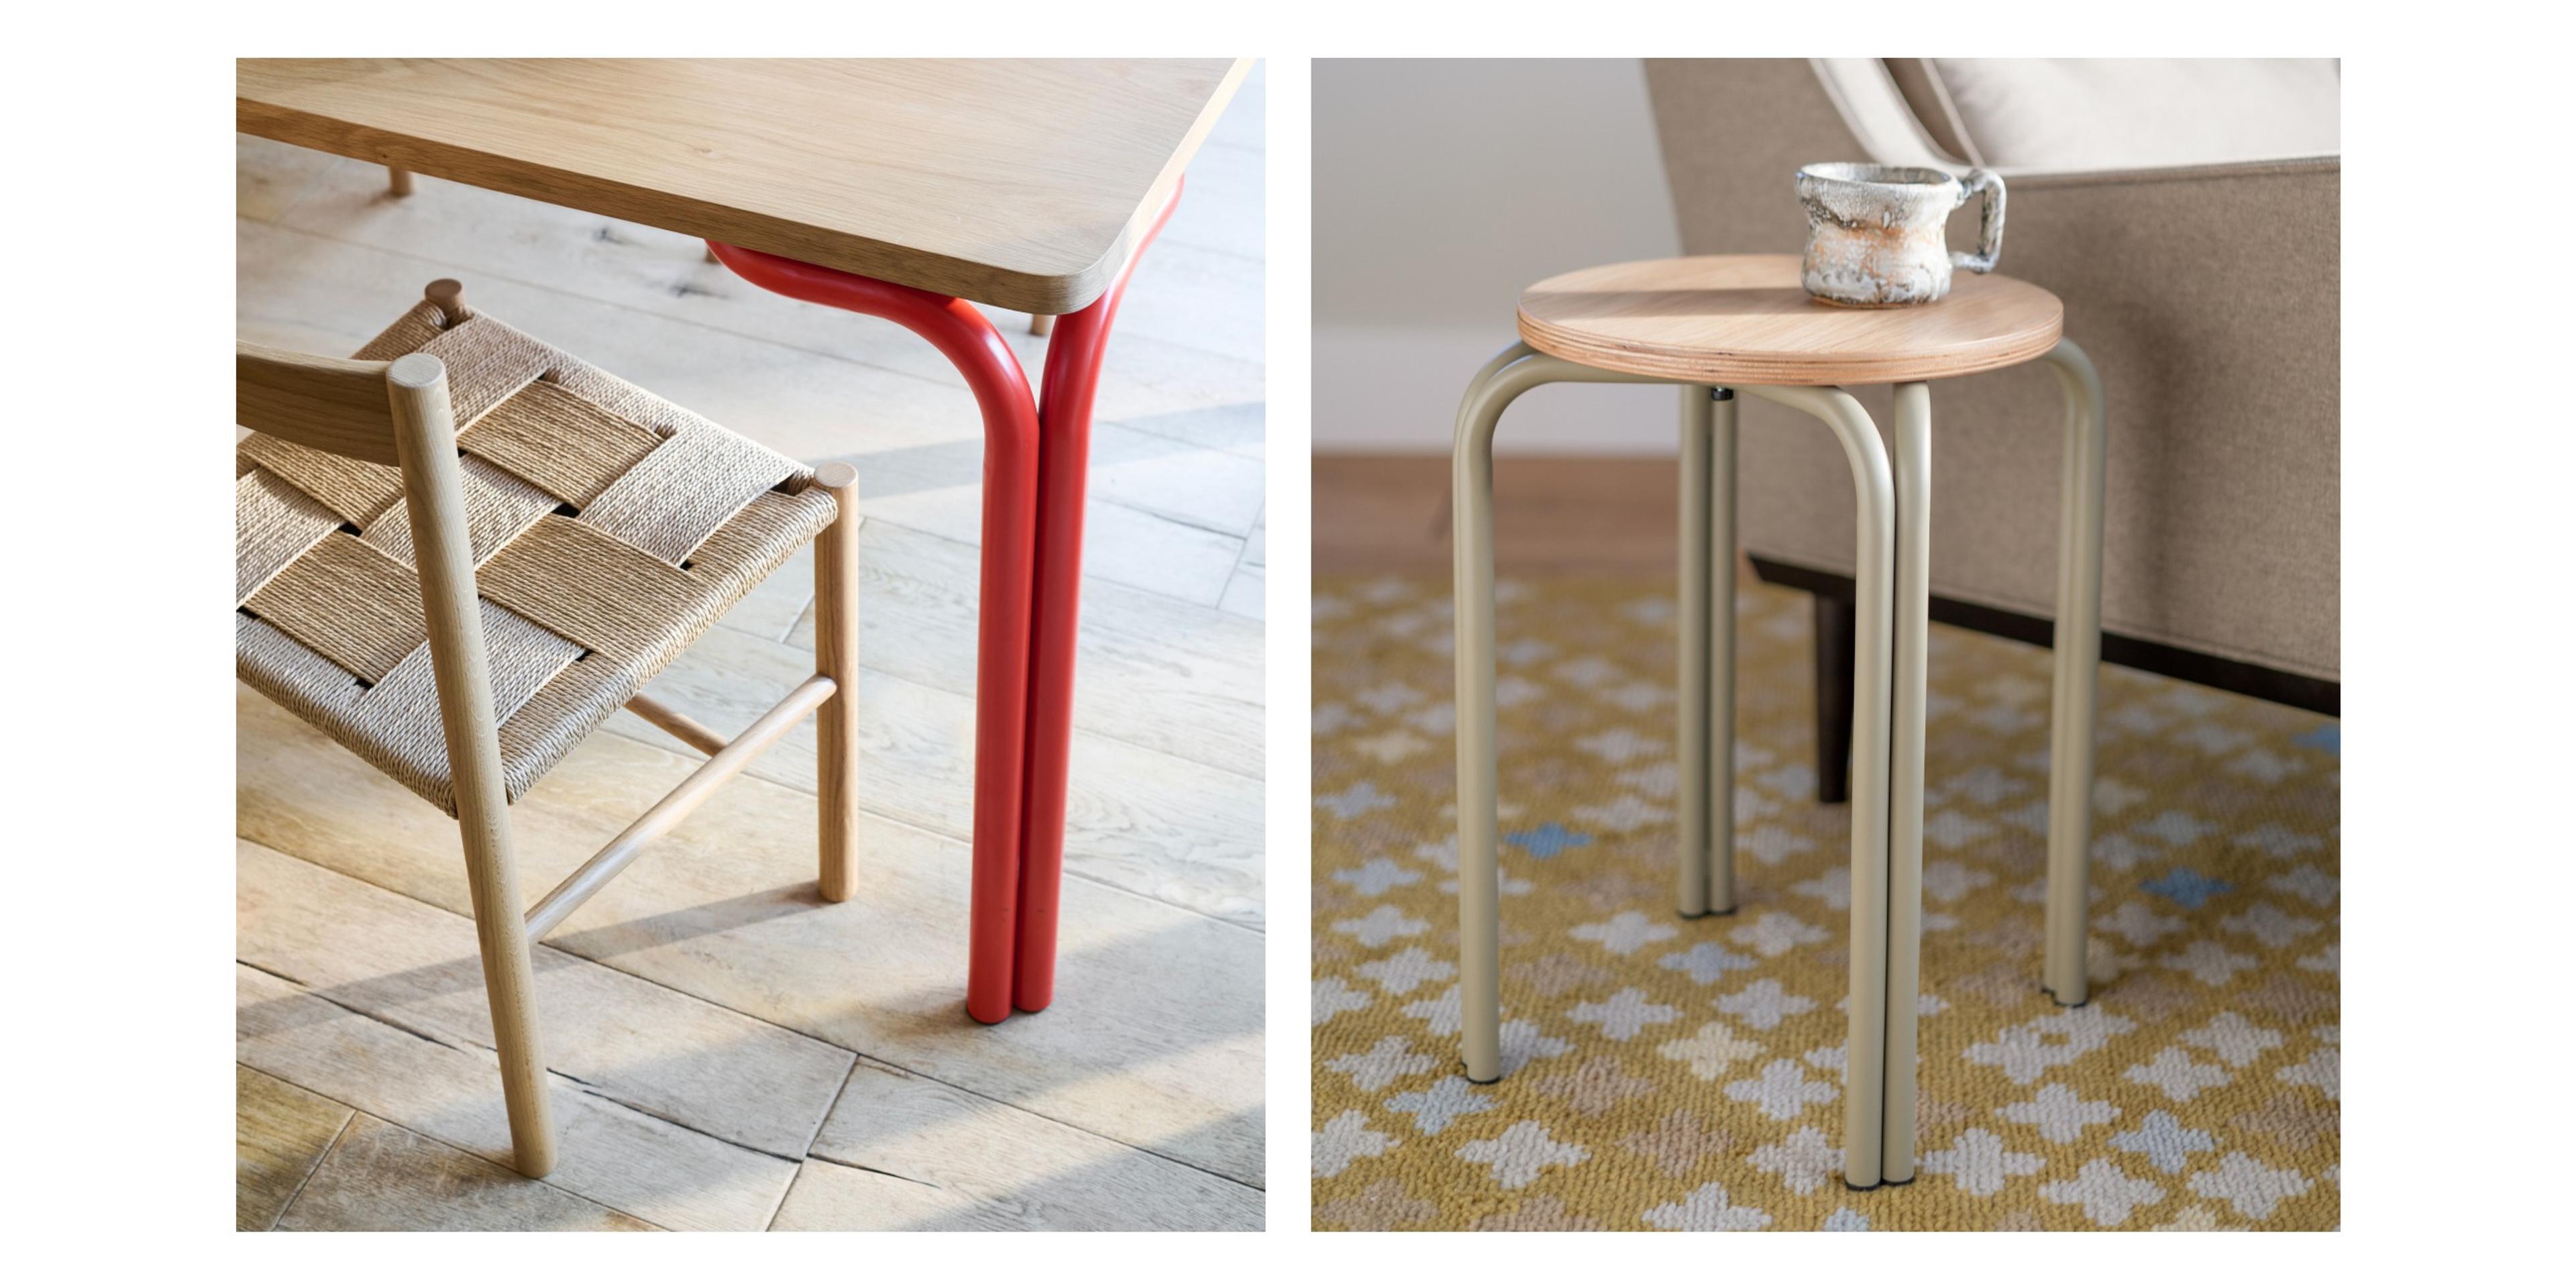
1687, 1075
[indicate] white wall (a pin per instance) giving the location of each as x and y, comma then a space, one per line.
1442, 187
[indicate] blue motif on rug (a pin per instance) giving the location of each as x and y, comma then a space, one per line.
2186, 887
1547, 840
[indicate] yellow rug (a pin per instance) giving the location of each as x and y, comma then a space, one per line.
1672, 1074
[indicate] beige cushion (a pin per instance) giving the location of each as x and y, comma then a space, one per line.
2113, 113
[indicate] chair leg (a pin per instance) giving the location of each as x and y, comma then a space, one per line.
836, 656
509, 982
1835, 639
433, 493
1041, 324
397, 181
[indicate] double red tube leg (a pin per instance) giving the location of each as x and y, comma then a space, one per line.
1036, 461
1064, 464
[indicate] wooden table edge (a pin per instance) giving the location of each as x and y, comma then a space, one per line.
1023, 291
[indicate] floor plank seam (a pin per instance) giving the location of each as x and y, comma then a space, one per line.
468, 1047
839, 1093
1177, 521
597, 1092
958, 385
1239, 453
1091, 584
1241, 553
855, 1055
578, 1085
754, 769
962, 838
935, 1080
879, 1171
803, 611
318, 1159
352, 1121
581, 1084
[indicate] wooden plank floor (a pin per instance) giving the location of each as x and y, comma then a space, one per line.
727, 1051
1552, 514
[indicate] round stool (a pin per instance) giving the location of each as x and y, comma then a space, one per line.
1721, 326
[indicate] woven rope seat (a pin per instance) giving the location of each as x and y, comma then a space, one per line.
609, 530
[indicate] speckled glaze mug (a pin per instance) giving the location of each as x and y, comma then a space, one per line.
1875, 232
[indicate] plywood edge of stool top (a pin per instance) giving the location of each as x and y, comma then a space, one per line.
1743, 319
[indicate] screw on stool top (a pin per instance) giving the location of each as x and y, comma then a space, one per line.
1743, 319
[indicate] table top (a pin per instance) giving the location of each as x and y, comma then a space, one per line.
1019, 184
1743, 319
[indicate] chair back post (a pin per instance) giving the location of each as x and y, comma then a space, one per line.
434, 489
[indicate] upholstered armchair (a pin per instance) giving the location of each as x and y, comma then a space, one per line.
2187, 214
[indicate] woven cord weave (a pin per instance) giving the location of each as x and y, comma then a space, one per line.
609, 530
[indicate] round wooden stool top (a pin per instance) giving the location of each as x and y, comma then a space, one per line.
1743, 319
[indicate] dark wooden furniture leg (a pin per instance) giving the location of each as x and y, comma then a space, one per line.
1835, 641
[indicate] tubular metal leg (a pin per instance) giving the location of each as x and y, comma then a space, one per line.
1911, 445
1721, 650
1513, 372
1694, 784
1471, 506
2078, 647
1873, 589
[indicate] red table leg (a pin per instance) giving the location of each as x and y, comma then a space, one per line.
1064, 460
1011, 473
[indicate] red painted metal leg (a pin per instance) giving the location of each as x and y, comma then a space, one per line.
1064, 462
993, 372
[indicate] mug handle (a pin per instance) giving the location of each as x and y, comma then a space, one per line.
1990, 225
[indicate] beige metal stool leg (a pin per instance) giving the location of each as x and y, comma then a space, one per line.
1511, 373
836, 657
2078, 647
1910, 442
1691, 744
1864, 1052
1516, 371
433, 489
1479, 824
1706, 743
1721, 650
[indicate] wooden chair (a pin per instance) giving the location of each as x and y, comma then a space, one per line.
460, 551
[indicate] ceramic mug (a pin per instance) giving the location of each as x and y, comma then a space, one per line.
1875, 232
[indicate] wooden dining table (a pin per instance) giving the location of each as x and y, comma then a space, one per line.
911, 189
